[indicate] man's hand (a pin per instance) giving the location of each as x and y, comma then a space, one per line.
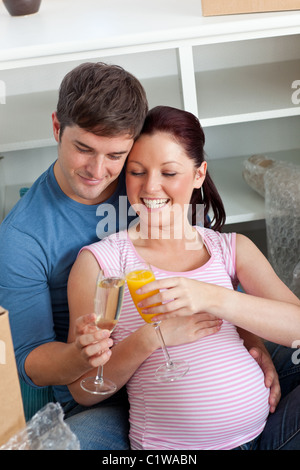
94, 344
265, 362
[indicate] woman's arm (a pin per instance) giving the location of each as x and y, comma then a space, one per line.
268, 308
129, 354
273, 308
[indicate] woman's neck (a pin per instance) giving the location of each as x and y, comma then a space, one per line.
175, 235
172, 253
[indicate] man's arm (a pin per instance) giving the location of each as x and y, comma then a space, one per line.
24, 292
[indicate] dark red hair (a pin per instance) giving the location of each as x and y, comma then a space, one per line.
187, 131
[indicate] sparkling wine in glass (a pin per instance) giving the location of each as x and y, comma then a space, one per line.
108, 304
137, 276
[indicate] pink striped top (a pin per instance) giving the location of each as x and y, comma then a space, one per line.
222, 402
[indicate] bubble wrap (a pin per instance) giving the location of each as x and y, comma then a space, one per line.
282, 201
254, 170
45, 431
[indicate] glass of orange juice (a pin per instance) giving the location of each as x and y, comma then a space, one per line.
138, 275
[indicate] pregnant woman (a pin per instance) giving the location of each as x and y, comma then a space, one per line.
222, 401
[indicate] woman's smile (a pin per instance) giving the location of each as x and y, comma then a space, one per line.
155, 203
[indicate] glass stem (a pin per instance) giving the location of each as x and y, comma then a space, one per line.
163, 345
99, 376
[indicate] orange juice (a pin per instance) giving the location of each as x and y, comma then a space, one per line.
135, 280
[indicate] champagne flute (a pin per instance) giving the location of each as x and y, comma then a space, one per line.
108, 304
137, 276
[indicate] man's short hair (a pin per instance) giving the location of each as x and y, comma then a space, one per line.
103, 99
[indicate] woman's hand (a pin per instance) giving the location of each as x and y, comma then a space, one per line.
177, 296
94, 344
180, 330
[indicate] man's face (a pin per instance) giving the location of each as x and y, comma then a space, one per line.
88, 165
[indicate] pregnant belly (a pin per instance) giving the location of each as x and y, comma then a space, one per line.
221, 403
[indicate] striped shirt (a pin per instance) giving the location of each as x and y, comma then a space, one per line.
222, 401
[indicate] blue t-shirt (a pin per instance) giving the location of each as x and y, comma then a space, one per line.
39, 241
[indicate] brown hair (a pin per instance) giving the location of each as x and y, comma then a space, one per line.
102, 99
187, 131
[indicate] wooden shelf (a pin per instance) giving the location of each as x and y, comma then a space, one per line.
26, 121
62, 30
247, 94
26, 118
230, 96
12, 195
242, 203
163, 43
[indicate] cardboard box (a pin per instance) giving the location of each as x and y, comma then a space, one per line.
12, 417
232, 7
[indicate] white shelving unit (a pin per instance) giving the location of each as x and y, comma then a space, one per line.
235, 72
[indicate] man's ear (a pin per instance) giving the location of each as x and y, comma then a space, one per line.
55, 126
200, 175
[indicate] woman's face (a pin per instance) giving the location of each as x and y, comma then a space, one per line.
160, 178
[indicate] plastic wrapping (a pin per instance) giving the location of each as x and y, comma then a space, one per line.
282, 201
296, 280
255, 168
46, 430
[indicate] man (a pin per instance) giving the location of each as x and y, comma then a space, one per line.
101, 109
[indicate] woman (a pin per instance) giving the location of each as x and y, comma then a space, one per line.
222, 403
